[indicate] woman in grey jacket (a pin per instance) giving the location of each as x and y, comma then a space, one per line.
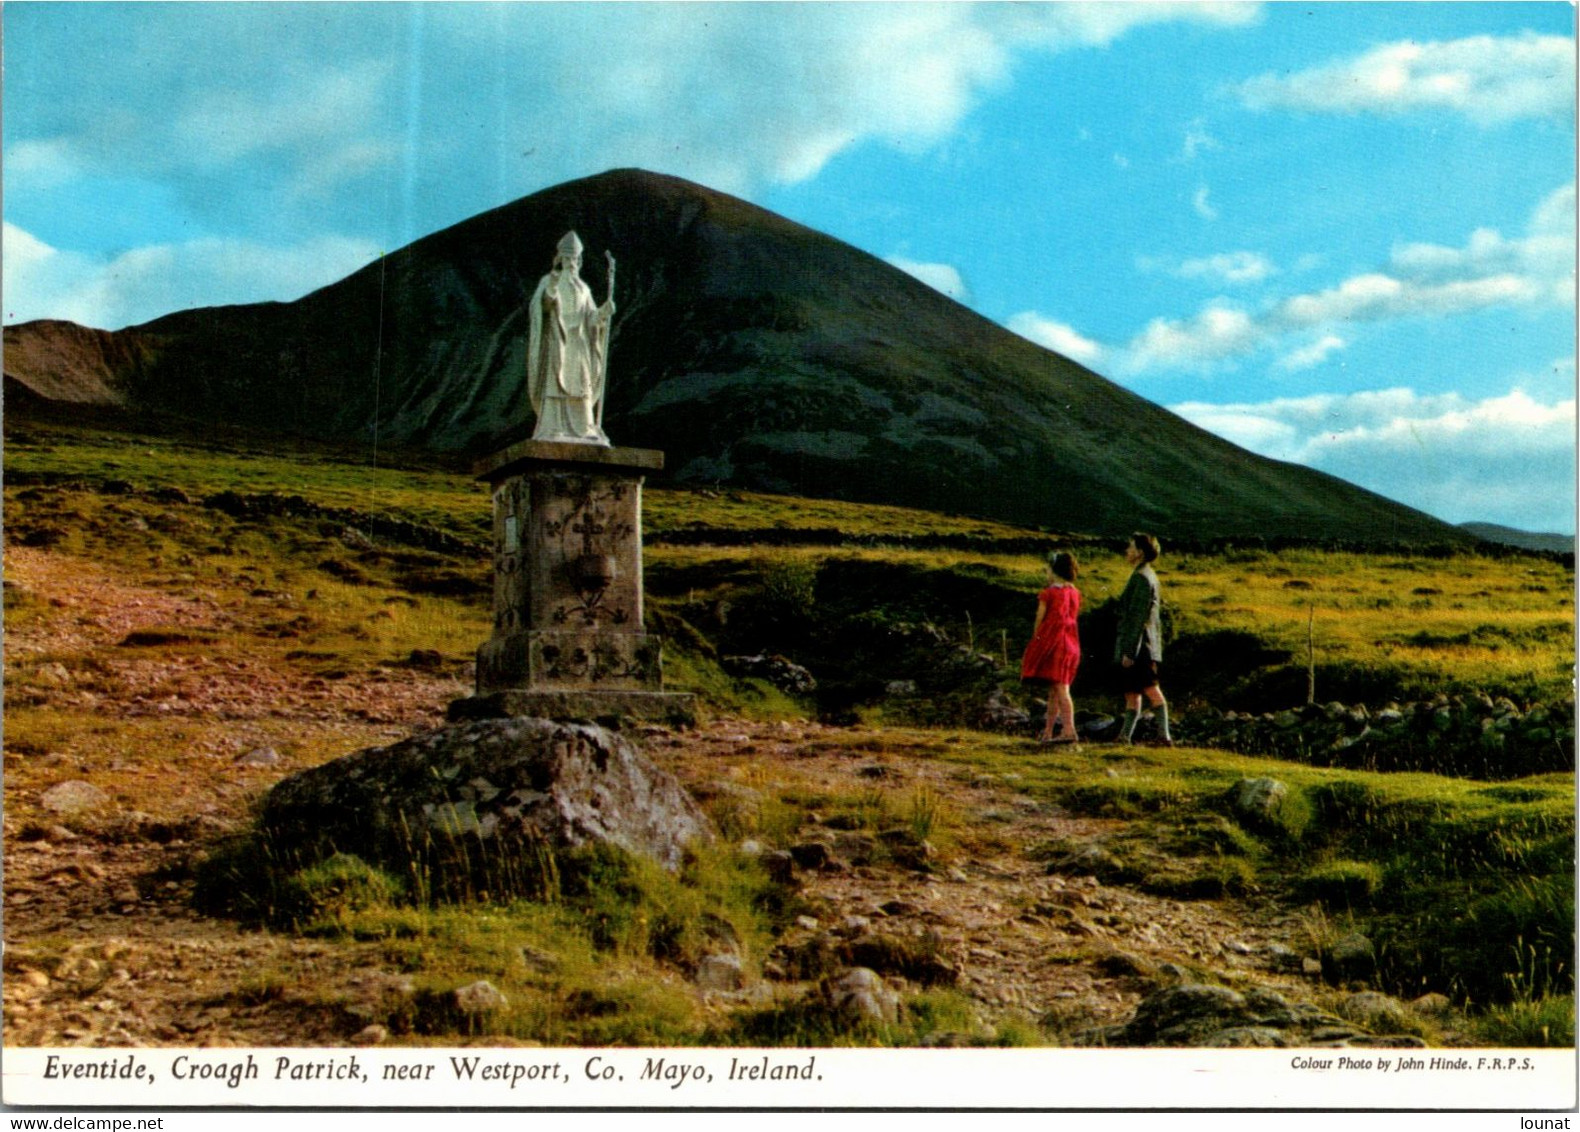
1138, 643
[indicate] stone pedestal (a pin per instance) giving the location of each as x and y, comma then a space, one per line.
568, 638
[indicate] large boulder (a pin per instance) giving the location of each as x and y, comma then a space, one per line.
503, 783
1196, 1014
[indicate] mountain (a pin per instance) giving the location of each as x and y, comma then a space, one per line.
1525, 540
754, 351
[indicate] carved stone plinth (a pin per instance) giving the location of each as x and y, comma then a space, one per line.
568, 636
672, 708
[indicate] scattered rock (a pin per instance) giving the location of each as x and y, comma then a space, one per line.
537, 961
74, 797
860, 995
811, 855
1090, 860
782, 673
370, 1035
1121, 964
720, 973
780, 866
1431, 1005
481, 997
52, 675
1352, 957
1374, 1010
1098, 728
260, 756
1256, 801
998, 714
1282, 958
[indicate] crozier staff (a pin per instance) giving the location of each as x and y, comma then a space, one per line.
567, 350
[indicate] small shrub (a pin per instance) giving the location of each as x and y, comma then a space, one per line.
1543, 1023
325, 893
1202, 834
1202, 878
242, 876
1515, 944
924, 813
1340, 883
631, 906
169, 635
914, 957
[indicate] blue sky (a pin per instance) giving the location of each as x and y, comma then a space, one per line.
1339, 234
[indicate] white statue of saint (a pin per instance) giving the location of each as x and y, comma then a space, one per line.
567, 350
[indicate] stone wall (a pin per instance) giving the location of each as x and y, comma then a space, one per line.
1471, 736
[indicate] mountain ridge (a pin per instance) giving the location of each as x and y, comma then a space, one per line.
1526, 540
755, 351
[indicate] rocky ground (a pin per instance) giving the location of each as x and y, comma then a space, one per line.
103, 947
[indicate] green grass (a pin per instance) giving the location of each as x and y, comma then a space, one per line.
1397, 626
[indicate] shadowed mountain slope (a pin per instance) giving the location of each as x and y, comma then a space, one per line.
752, 350
1525, 540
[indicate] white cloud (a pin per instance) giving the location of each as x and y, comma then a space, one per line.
1421, 280
1217, 333
144, 283
1058, 337
1507, 459
307, 110
1197, 141
940, 277
1486, 78
1202, 205
1375, 297
40, 164
1556, 215
1313, 354
1228, 267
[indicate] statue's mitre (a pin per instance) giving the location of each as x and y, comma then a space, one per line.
570, 244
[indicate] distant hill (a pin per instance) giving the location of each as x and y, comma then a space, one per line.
1525, 540
752, 350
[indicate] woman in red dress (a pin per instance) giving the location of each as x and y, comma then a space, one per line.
1055, 649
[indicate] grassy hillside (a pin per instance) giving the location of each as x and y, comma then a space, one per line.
187, 623
1526, 540
1381, 626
